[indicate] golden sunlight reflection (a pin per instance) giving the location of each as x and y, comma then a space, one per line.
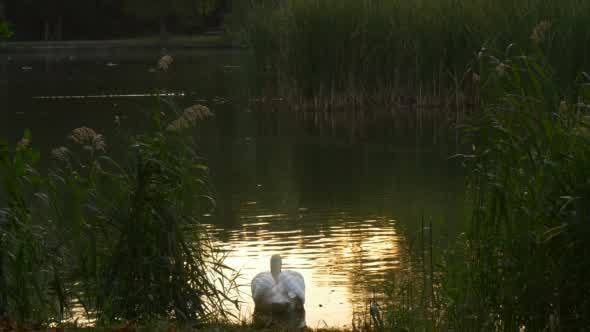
343, 258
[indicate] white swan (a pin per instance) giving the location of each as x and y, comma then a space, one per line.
277, 290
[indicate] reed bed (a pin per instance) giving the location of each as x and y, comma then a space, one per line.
396, 50
526, 255
522, 263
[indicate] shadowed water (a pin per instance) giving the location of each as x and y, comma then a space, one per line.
337, 194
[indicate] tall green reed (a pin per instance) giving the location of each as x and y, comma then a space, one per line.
355, 51
413, 299
26, 279
119, 240
524, 260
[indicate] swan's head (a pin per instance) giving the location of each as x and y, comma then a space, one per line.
276, 264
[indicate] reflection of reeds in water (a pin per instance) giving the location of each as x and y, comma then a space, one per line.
377, 123
354, 100
398, 128
410, 294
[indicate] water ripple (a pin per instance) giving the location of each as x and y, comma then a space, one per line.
341, 256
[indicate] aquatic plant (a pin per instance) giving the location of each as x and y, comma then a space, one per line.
102, 241
404, 51
412, 295
524, 260
24, 284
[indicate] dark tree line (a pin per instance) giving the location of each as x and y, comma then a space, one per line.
106, 19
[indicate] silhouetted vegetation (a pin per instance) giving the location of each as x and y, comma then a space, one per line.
522, 262
527, 246
403, 51
108, 19
101, 241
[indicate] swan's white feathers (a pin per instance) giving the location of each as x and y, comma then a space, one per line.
293, 284
290, 288
261, 286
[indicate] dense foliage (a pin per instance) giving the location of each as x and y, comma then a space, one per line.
523, 261
97, 240
104, 19
527, 247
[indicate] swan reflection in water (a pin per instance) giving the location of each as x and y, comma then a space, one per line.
279, 297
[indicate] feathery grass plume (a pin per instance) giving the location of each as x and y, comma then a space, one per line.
540, 31
197, 112
62, 153
88, 138
23, 144
190, 117
165, 62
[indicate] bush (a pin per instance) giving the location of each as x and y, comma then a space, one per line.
121, 241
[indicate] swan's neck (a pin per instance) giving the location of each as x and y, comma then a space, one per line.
275, 275
276, 264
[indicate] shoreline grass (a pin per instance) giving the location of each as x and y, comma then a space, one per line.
101, 240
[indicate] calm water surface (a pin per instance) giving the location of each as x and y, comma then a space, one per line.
339, 194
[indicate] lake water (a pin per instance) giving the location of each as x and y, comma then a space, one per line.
338, 194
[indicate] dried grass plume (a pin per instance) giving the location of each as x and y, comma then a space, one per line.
88, 138
190, 117
165, 62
